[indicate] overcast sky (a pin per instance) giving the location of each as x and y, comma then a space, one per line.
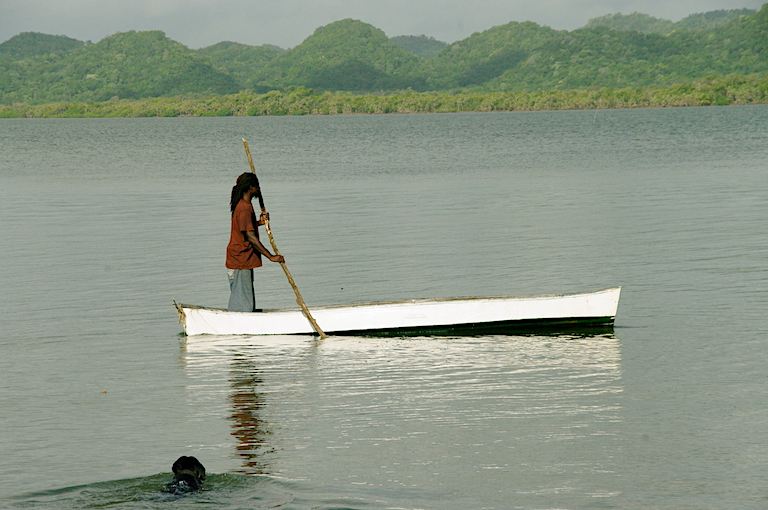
286, 23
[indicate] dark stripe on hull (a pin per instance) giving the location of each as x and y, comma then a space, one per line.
579, 326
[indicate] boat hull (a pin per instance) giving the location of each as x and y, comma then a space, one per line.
450, 316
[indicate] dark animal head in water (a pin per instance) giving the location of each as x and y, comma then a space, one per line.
188, 475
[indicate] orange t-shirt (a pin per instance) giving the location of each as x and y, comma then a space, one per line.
240, 252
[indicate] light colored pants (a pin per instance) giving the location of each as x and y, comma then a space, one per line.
241, 296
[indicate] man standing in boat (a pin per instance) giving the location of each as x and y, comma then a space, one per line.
244, 250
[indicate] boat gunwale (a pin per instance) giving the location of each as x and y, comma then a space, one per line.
411, 301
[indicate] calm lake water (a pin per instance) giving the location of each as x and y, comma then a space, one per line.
104, 221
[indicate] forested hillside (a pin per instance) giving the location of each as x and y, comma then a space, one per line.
240, 60
353, 56
32, 44
345, 55
528, 57
125, 65
420, 45
650, 25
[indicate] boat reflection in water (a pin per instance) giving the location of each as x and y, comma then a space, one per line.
343, 411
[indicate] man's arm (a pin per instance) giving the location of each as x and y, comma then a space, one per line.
250, 235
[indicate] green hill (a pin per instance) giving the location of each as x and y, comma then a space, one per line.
125, 65
529, 57
346, 55
650, 25
487, 55
241, 61
420, 45
712, 19
32, 44
634, 21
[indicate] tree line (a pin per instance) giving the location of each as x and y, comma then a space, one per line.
728, 90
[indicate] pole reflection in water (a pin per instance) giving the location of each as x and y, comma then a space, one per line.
230, 380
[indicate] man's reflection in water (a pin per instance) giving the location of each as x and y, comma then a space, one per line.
251, 431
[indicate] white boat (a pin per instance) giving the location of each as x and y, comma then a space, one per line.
555, 313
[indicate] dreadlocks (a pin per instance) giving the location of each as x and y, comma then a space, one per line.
243, 184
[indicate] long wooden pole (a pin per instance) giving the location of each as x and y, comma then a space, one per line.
299, 299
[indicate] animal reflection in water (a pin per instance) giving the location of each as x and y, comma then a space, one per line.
188, 476
250, 430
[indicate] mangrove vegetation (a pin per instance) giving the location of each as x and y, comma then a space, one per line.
728, 90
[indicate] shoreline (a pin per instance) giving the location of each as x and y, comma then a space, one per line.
710, 91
